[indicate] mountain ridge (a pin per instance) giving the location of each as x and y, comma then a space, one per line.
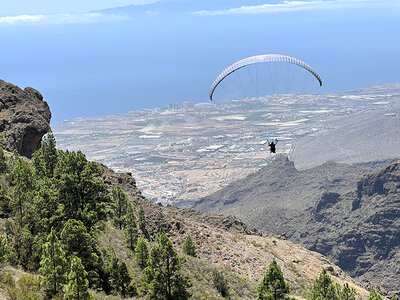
273, 181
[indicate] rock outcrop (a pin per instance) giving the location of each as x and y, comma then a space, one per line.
24, 118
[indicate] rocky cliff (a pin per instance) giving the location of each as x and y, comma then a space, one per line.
24, 118
360, 231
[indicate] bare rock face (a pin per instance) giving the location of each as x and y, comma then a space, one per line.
360, 231
382, 183
24, 118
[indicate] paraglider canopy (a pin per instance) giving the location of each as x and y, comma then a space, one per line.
265, 58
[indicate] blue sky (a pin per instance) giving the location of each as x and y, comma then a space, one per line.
108, 57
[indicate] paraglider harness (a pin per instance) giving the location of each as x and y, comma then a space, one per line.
271, 145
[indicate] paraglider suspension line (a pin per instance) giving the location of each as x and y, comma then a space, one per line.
251, 77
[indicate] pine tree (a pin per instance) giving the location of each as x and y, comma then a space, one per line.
45, 211
24, 182
142, 252
273, 285
45, 159
4, 202
373, 295
346, 293
40, 215
53, 266
323, 288
24, 245
131, 231
124, 279
111, 268
142, 219
82, 194
118, 276
4, 249
77, 288
121, 206
189, 248
163, 272
3, 161
78, 242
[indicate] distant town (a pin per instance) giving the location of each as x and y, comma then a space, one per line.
183, 152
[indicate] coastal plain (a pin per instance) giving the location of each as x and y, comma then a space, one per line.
181, 153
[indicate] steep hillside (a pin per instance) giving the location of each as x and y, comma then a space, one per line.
225, 241
331, 209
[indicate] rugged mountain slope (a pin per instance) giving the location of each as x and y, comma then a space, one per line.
354, 222
24, 118
227, 242
360, 230
269, 198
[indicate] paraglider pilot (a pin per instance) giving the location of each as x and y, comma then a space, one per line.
272, 145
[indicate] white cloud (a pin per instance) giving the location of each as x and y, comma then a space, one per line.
61, 18
289, 6
22, 19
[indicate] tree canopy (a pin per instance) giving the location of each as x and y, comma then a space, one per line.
163, 272
273, 285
